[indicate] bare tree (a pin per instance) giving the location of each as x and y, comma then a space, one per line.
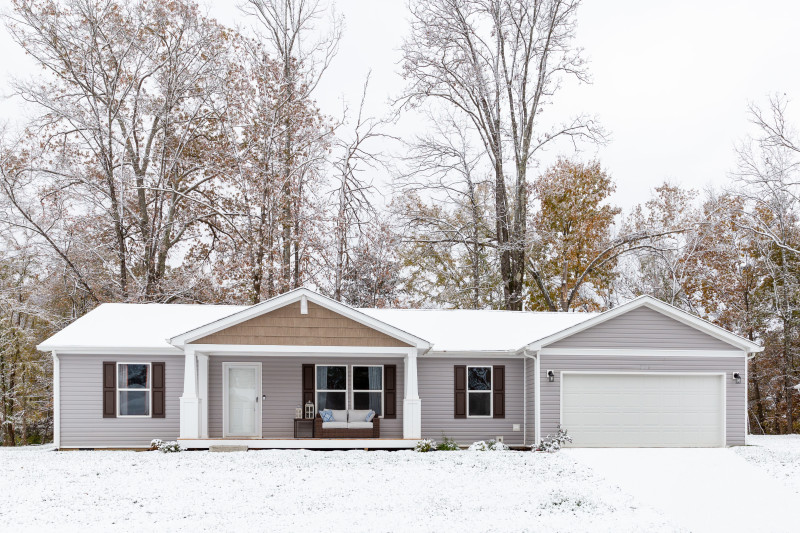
499, 63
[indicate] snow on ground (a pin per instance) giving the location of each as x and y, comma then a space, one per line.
278, 490
778, 455
703, 489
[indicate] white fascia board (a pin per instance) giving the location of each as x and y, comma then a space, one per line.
283, 350
659, 306
512, 354
110, 350
291, 297
637, 352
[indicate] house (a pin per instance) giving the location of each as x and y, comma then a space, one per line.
644, 374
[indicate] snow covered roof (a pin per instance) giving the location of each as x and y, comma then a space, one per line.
148, 326
463, 330
135, 326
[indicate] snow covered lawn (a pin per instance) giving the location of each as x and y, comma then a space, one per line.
704, 489
306, 491
778, 455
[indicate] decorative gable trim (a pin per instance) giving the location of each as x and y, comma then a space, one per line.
661, 307
297, 295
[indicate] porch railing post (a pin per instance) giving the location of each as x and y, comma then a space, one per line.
412, 408
190, 402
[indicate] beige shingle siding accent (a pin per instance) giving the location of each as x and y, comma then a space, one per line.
286, 326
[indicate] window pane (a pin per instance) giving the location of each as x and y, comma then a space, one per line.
134, 403
134, 377
367, 378
332, 378
331, 400
480, 378
479, 403
368, 400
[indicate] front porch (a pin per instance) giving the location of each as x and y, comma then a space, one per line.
301, 444
284, 379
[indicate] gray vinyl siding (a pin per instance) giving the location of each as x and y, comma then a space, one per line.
530, 400
281, 382
435, 376
642, 328
82, 422
734, 394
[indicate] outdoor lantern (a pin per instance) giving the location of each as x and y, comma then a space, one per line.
298, 412
309, 409
737, 377
551, 376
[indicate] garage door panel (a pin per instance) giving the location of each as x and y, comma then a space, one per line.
643, 410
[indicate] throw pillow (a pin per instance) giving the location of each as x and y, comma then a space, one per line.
370, 415
327, 415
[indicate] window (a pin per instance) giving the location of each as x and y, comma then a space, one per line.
133, 389
479, 391
368, 388
331, 387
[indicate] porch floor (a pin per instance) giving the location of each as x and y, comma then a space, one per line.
306, 444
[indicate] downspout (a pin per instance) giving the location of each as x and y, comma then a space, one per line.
537, 410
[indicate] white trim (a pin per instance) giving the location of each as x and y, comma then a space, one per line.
307, 444
538, 400
476, 354
382, 390
317, 390
302, 351
746, 382
112, 350
259, 411
524, 400
490, 392
723, 375
656, 305
56, 400
637, 352
149, 389
202, 392
289, 298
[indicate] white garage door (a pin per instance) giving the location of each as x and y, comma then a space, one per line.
643, 410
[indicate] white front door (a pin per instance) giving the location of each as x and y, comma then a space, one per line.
241, 399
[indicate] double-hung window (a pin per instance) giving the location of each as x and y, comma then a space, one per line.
331, 387
479, 391
368, 388
134, 389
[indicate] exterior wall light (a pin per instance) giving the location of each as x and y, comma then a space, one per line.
551, 376
737, 377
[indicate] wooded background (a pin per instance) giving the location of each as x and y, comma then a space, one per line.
171, 159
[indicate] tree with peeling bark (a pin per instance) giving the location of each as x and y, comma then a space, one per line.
499, 63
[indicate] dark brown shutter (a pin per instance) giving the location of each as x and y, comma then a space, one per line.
389, 391
460, 391
109, 390
499, 387
159, 391
308, 385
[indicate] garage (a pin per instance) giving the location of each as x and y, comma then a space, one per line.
643, 409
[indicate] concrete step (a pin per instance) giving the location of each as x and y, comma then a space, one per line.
226, 448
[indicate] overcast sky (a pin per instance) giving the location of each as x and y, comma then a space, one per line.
671, 80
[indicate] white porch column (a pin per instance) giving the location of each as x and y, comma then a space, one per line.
202, 392
190, 402
412, 405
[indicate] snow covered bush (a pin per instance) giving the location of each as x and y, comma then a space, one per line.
488, 446
552, 444
425, 445
170, 447
447, 445
155, 444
